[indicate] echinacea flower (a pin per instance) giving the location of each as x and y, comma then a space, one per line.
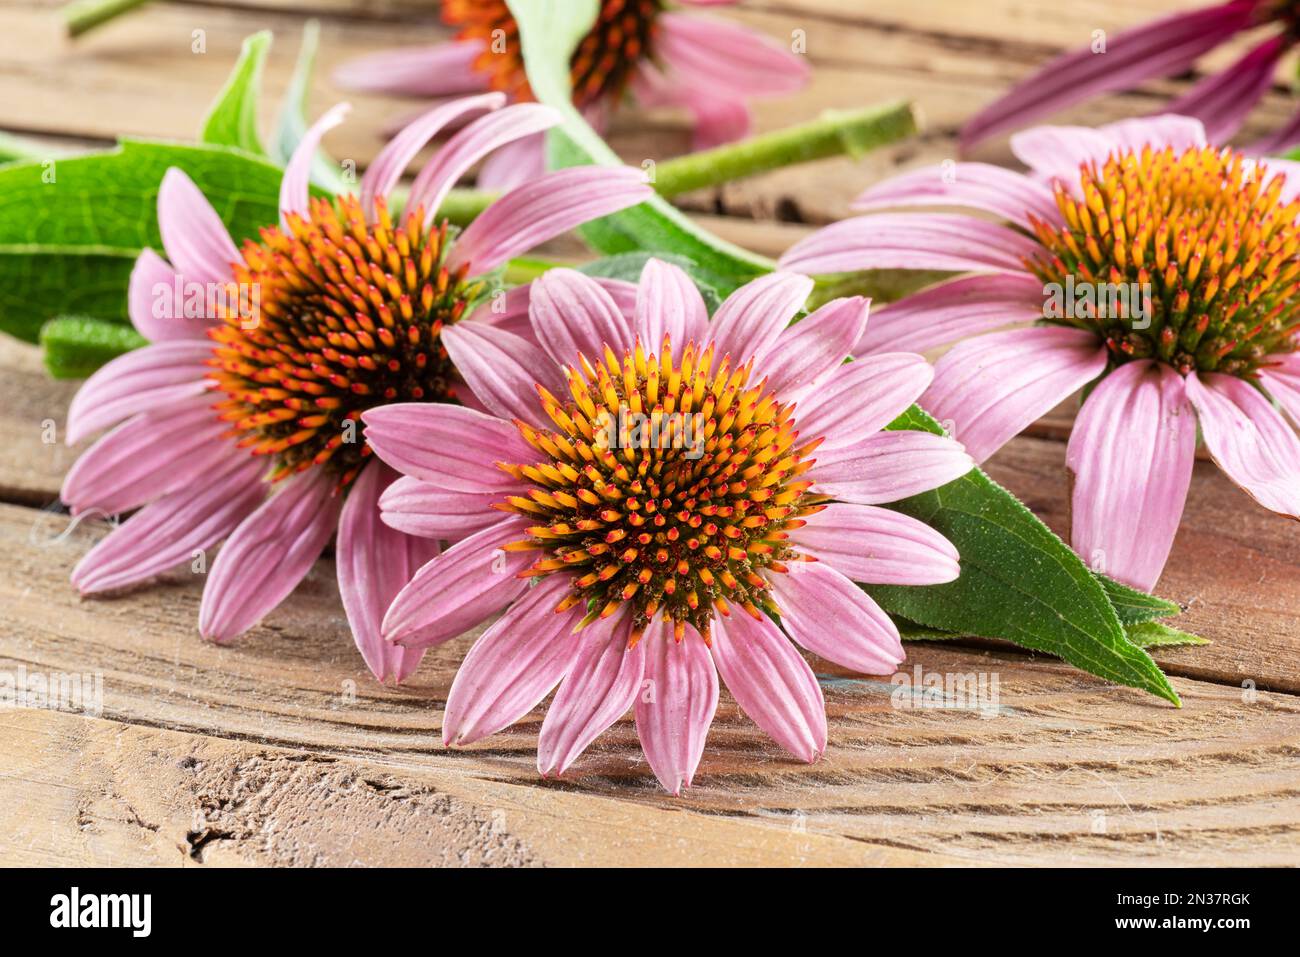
1155, 272
241, 424
1166, 46
648, 494
662, 56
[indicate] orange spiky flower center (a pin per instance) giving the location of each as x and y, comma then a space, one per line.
667, 485
1189, 258
601, 66
347, 315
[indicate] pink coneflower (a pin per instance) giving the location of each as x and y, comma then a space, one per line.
1166, 46
1156, 271
663, 57
351, 306
649, 495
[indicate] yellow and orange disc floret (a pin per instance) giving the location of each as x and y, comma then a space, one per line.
348, 316
1207, 230
686, 517
601, 66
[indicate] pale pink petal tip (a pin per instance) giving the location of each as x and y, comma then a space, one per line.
513, 666
1249, 439
294, 186
543, 209
1131, 453
772, 683
675, 711
269, 554
194, 237
374, 562
598, 689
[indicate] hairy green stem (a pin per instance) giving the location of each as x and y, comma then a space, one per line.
83, 15
834, 133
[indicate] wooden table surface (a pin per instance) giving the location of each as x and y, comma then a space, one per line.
283, 750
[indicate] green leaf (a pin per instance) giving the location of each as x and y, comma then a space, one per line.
911, 631
70, 230
37, 283
1134, 607
628, 266
1155, 634
75, 346
549, 32
1019, 582
232, 120
292, 123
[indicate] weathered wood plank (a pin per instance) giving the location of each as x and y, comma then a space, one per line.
1234, 564
916, 51
32, 413
103, 793
1025, 784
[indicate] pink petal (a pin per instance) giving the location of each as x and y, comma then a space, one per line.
599, 687
863, 397
269, 554
815, 347
174, 528
1282, 381
149, 456
513, 164
424, 509
832, 617
571, 313
726, 58
1166, 129
470, 145
1056, 152
988, 389
461, 588
878, 546
146, 379
889, 466
1162, 47
382, 174
446, 69
953, 310
1221, 101
669, 304
448, 446
513, 666
772, 683
153, 306
911, 241
752, 317
1131, 454
503, 370
295, 185
510, 312
1249, 439
1006, 194
193, 235
542, 209
717, 119
374, 562
675, 710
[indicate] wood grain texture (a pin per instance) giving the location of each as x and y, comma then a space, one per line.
949, 58
281, 750
302, 728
